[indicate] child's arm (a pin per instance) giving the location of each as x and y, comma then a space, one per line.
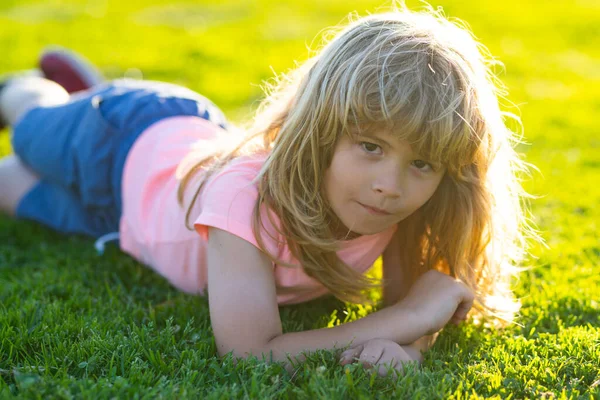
395, 288
245, 315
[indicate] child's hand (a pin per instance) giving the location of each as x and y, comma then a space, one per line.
436, 299
379, 354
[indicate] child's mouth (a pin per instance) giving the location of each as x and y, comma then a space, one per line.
375, 211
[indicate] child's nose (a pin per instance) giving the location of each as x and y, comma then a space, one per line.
390, 184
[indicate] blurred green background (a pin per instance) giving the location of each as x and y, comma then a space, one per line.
225, 50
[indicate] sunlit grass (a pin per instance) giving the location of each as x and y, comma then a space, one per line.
75, 324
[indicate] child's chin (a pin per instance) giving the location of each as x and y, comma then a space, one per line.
358, 232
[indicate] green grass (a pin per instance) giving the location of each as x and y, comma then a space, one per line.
75, 325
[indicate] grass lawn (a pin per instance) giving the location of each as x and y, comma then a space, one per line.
76, 325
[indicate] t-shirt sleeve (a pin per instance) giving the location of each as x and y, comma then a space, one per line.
227, 202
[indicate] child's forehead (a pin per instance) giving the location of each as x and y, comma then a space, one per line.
389, 134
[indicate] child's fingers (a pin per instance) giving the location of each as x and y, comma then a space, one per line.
386, 363
351, 355
395, 368
371, 355
457, 318
465, 306
462, 311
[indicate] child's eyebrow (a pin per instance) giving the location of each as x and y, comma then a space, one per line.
372, 135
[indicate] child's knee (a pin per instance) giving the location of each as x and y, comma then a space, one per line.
16, 180
23, 94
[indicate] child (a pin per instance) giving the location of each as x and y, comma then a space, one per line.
388, 142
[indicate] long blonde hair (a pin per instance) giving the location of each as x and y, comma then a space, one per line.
429, 81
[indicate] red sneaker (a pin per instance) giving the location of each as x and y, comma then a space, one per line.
69, 69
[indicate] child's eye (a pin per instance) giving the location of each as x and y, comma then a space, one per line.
423, 165
371, 148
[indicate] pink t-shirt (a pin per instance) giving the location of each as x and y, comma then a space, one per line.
152, 227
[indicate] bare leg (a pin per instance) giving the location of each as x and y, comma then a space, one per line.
18, 97
16, 180
22, 94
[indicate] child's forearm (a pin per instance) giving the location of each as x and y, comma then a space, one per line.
391, 323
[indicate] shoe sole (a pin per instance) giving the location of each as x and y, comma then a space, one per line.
82, 75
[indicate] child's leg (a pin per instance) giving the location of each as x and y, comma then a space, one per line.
17, 97
15, 181
79, 149
22, 94
23, 195
64, 146
34, 183
63, 66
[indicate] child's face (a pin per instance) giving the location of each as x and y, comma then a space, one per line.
379, 171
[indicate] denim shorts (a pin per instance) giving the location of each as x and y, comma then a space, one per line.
79, 149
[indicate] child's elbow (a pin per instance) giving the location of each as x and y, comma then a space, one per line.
241, 352
245, 346
265, 356
235, 352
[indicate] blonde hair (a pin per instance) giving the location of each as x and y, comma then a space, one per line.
428, 81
